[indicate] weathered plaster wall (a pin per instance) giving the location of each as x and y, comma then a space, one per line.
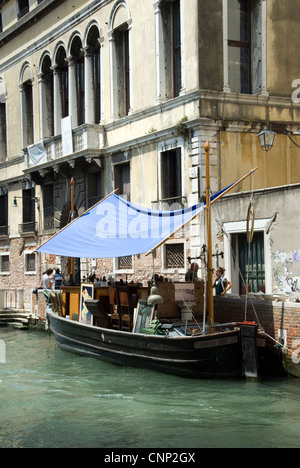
281, 236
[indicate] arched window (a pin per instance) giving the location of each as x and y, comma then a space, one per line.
46, 98
3, 126
60, 88
120, 39
27, 117
94, 53
77, 56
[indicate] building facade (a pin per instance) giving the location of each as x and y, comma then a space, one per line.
124, 94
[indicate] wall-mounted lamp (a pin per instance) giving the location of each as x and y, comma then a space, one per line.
267, 137
36, 199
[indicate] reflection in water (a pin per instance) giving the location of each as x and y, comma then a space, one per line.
50, 398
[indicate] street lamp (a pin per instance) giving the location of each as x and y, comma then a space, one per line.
36, 199
266, 139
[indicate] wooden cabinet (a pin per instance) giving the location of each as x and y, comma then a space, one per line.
70, 301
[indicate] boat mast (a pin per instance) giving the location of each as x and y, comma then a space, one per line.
72, 266
209, 242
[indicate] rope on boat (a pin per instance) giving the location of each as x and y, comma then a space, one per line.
187, 306
281, 345
249, 233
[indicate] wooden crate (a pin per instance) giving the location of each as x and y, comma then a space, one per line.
167, 291
168, 310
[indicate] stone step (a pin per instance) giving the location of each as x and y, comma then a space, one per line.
13, 319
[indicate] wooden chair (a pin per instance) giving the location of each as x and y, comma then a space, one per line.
127, 301
56, 302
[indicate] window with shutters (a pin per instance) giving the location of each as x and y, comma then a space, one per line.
244, 41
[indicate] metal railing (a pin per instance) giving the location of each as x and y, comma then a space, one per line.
170, 204
8, 299
4, 231
28, 228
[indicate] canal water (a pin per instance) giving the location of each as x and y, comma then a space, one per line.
51, 399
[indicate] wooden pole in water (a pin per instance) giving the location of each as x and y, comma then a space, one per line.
209, 242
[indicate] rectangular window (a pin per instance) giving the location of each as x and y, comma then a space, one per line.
121, 37
4, 264
245, 35
170, 49
29, 225
28, 205
122, 179
48, 207
3, 215
94, 188
252, 263
30, 262
174, 256
23, 8
171, 176
176, 47
124, 263
239, 45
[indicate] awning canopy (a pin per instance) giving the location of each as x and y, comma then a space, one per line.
117, 228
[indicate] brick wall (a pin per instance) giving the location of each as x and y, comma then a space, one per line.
39, 304
17, 279
272, 316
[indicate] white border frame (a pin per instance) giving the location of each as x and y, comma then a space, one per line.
240, 227
4, 254
30, 252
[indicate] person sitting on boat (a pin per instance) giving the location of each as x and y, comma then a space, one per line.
191, 274
221, 284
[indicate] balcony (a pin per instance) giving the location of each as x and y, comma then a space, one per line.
28, 229
49, 218
51, 155
4, 232
170, 204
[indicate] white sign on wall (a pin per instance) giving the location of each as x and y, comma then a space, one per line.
67, 139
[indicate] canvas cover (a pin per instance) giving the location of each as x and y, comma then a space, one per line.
116, 228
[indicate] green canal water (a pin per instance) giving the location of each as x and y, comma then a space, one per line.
52, 399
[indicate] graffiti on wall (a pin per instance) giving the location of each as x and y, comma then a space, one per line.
286, 271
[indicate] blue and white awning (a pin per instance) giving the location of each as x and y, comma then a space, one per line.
116, 228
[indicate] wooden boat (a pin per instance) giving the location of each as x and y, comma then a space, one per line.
221, 353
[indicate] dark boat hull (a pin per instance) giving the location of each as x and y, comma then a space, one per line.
209, 356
